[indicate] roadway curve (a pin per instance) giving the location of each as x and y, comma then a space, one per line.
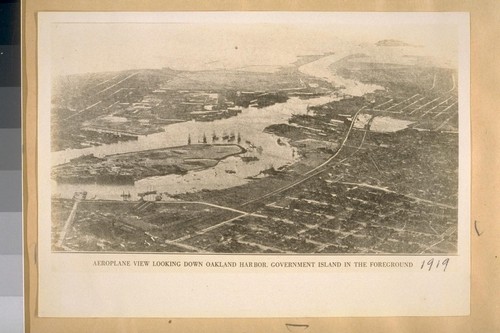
317, 170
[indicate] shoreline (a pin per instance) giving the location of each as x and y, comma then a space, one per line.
183, 166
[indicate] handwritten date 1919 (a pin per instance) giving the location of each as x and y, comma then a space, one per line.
432, 264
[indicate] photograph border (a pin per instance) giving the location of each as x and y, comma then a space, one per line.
484, 176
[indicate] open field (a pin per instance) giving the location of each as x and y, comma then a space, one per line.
133, 226
129, 167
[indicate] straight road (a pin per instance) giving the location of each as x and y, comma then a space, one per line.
406, 100
446, 100
68, 223
81, 111
435, 99
117, 83
405, 195
203, 231
97, 103
453, 104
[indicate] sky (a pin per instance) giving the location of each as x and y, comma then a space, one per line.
83, 47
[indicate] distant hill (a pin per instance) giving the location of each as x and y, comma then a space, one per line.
392, 42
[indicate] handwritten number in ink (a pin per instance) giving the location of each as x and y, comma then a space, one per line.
445, 264
431, 264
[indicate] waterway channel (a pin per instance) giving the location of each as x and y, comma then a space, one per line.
249, 125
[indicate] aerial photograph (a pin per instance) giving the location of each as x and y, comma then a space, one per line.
254, 138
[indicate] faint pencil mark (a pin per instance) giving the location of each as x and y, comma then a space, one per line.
296, 327
477, 228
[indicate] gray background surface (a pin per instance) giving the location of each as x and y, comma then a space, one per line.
11, 270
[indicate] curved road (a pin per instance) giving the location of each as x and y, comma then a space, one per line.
317, 170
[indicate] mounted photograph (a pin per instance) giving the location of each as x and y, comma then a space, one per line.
263, 138
252, 164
